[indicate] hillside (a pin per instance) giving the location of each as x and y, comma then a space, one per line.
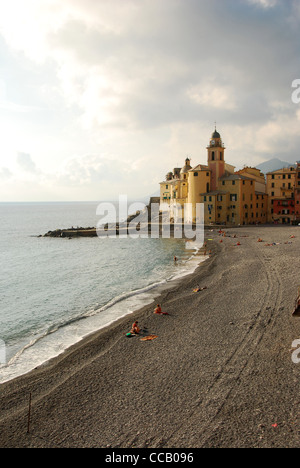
273, 165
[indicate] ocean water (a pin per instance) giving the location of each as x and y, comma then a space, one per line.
54, 291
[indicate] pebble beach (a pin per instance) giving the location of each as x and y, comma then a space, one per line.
219, 373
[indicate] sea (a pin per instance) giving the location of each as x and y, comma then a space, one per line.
56, 291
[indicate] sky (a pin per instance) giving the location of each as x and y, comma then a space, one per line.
104, 97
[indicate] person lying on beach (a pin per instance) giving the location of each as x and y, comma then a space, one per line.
198, 289
135, 330
158, 311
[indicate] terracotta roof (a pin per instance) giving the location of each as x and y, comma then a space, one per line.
235, 177
200, 167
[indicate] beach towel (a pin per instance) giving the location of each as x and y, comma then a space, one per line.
149, 338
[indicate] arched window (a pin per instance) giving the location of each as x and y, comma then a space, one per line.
213, 156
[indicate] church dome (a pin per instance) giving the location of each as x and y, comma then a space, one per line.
216, 135
187, 167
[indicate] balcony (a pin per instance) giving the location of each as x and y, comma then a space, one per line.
287, 189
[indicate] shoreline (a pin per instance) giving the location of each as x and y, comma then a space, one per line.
99, 319
201, 383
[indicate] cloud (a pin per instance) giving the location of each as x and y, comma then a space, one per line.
5, 174
264, 3
130, 86
146, 64
26, 163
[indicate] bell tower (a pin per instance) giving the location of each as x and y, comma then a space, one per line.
215, 159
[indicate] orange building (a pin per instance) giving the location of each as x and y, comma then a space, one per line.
281, 187
297, 193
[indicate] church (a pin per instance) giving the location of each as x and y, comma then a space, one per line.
229, 197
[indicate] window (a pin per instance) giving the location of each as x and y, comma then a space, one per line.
233, 182
233, 197
213, 156
195, 174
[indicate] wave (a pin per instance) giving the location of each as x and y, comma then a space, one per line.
186, 267
58, 326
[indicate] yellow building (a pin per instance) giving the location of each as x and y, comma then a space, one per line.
281, 188
229, 197
199, 181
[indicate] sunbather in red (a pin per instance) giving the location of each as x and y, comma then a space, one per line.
135, 330
158, 311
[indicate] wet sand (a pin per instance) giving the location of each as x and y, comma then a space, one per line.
219, 373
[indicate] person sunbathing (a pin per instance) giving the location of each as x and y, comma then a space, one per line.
198, 289
158, 311
135, 330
